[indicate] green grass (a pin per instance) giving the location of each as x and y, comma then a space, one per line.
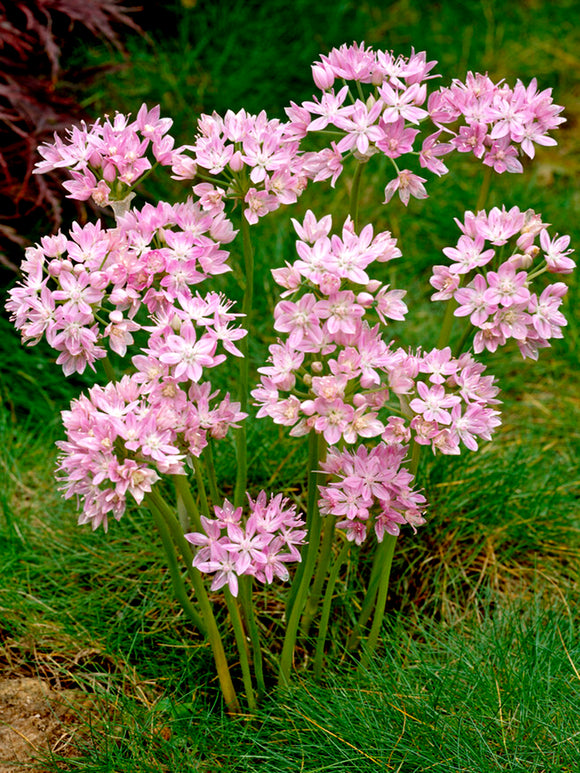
478, 667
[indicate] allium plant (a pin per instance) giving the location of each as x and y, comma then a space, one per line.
148, 289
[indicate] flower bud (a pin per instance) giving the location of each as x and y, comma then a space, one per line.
365, 300
99, 280
373, 286
377, 77
520, 260
322, 75
54, 267
236, 162
317, 366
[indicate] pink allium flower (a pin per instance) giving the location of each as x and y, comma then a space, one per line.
406, 184
261, 545
433, 402
556, 253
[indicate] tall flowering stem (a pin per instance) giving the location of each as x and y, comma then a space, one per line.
322, 567
297, 601
355, 194
327, 606
242, 647
378, 585
230, 697
175, 571
246, 587
241, 437
385, 554
186, 499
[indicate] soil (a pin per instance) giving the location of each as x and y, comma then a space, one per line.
33, 720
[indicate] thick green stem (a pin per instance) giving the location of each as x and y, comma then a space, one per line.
484, 190
176, 578
186, 500
109, 370
390, 540
314, 455
461, 343
242, 646
211, 476
355, 194
317, 448
201, 486
320, 576
380, 561
241, 436
448, 319
326, 607
370, 597
250, 616
212, 631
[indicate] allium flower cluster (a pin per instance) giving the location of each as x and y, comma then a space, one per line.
499, 301
109, 157
496, 119
382, 121
370, 489
327, 374
121, 436
261, 545
391, 104
96, 287
241, 145
451, 405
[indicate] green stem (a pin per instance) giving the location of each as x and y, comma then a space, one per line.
211, 476
201, 486
109, 370
186, 501
212, 634
241, 437
355, 194
461, 343
484, 190
317, 447
242, 645
250, 615
321, 571
381, 557
448, 319
386, 560
326, 607
311, 514
176, 578
369, 600
385, 573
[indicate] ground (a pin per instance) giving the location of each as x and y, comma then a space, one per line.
33, 719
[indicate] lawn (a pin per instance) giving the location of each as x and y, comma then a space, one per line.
477, 668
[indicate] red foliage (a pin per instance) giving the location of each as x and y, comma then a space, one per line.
32, 108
